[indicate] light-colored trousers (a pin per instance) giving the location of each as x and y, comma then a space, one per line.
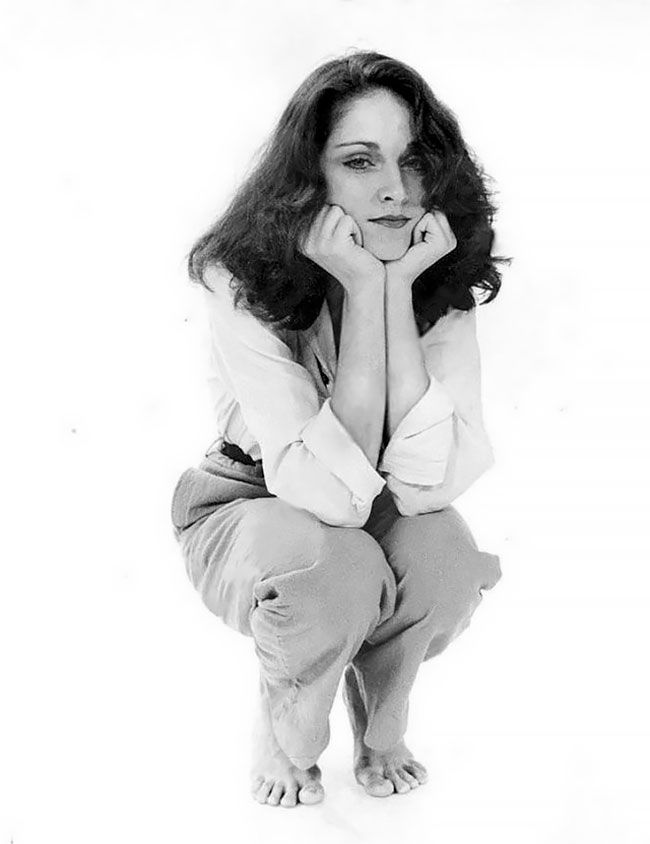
315, 597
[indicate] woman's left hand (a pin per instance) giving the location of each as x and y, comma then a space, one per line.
432, 239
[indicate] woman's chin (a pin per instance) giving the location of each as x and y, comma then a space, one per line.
386, 251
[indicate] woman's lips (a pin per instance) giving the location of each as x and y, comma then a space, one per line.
391, 224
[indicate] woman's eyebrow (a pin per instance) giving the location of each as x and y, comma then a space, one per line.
372, 145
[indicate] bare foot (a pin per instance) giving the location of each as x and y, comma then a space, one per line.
275, 780
380, 772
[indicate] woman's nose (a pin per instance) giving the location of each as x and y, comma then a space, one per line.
393, 187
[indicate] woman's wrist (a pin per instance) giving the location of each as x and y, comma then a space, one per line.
366, 289
396, 278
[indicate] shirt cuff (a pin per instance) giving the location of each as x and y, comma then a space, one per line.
331, 443
418, 450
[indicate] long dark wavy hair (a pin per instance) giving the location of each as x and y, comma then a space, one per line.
256, 239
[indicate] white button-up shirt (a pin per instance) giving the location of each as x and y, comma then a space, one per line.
271, 393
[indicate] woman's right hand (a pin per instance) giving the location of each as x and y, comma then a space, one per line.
334, 243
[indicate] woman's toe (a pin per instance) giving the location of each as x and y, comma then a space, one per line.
263, 792
311, 793
418, 771
409, 778
377, 785
290, 797
401, 787
276, 794
256, 783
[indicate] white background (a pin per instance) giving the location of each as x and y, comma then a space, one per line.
126, 705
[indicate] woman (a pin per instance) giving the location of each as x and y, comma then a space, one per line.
346, 385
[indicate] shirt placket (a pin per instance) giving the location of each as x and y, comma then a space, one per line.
322, 343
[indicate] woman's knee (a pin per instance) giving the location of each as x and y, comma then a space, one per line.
437, 565
322, 574
278, 536
359, 574
240, 545
277, 531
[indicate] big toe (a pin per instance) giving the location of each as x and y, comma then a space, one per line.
376, 785
313, 792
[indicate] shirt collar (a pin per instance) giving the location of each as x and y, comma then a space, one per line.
321, 337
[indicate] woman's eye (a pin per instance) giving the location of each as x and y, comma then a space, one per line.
358, 163
354, 163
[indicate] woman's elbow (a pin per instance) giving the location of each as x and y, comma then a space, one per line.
337, 509
414, 500
347, 518
417, 503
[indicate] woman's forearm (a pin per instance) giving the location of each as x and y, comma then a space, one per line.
406, 375
359, 392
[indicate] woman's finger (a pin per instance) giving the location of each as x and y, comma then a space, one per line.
446, 238
331, 219
420, 228
347, 227
429, 228
443, 222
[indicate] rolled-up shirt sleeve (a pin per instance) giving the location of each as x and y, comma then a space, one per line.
309, 458
440, 447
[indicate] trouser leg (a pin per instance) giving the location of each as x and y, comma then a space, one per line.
308, 594
439, 574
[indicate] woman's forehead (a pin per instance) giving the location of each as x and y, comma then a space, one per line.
375, 118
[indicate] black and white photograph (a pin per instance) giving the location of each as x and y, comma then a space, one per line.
326, 422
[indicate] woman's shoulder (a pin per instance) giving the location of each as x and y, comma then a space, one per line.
455, 321
217, 279
219, 292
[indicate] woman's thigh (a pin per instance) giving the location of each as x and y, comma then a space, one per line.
249, 549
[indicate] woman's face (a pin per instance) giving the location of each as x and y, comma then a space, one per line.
370, 171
